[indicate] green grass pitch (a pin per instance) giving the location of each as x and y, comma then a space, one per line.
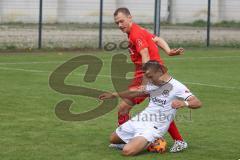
30, 130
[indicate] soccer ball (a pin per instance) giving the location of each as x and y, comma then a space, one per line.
159, 146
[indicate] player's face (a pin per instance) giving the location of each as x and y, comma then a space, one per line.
154, 76
124, 22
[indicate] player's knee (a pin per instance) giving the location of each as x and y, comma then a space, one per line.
113, 138
127, 151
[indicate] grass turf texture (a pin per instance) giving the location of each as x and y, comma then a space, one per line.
29, 128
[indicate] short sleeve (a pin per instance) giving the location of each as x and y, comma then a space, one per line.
140, 41
183, 92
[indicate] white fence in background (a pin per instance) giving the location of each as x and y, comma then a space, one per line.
87, 11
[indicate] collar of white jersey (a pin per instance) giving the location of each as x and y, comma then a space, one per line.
166, 82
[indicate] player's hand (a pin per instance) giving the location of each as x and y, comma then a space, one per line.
177, 104
106, 96
176, 51
155, 39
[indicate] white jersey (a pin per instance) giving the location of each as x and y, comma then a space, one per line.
153, 122
160, 108
161, 97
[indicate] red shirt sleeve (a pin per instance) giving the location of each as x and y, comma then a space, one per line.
139, 41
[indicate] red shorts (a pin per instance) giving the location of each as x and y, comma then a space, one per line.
136, 83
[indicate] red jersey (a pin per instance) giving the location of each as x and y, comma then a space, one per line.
139, 38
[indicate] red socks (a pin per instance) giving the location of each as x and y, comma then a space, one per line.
173, 131
123, 118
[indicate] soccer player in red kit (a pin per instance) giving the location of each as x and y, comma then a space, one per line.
143, 46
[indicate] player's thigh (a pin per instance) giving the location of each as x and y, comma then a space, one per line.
135, 146
125, 106
115, 139
126, 131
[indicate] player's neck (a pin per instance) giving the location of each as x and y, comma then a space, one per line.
165, 78
130, 27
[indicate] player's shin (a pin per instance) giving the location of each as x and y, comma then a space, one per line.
173, 131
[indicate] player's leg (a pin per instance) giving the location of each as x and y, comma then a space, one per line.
179, 143
126, 105
122, 135
144, 134
115, 139
174, 132
124, 108
135, 146
116, 142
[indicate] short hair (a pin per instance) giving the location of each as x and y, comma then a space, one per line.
154, 65
123, 10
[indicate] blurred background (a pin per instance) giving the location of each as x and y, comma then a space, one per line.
73, 24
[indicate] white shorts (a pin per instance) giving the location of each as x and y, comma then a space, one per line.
150, 130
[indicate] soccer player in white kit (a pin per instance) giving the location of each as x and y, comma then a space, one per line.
166, 96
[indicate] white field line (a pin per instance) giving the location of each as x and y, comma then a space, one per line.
211, 85
107, 76
172, 58
47, 62
196, 58
24, 70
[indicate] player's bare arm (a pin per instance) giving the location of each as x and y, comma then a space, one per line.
145, 58
124, 94
145, 55
163, 45
192, 102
